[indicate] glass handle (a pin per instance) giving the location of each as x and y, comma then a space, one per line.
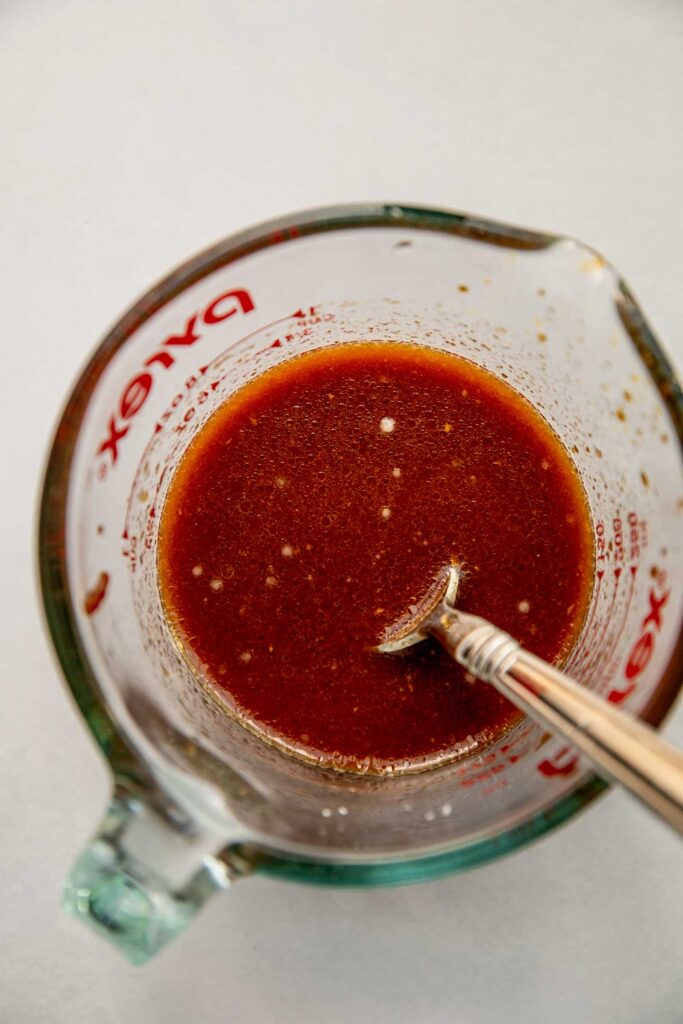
144, 875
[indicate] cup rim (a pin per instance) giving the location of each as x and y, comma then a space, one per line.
59, 608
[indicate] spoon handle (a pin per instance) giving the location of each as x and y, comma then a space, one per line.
621, 747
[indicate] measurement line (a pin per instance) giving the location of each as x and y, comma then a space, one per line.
602, 664
299, 314
610, 660
589, 625
588, 662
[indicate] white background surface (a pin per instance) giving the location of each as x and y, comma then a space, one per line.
136, 132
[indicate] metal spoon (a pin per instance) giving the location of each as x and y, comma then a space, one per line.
620, 747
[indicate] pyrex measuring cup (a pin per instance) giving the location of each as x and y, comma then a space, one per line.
198, 800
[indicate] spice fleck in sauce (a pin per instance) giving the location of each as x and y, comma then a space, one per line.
317, 505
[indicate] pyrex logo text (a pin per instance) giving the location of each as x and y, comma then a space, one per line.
643, 648
135, 393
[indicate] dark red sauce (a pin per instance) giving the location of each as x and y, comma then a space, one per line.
319, 503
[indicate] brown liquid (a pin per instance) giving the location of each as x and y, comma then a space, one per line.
318, 504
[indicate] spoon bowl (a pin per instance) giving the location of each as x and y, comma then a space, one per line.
624, 749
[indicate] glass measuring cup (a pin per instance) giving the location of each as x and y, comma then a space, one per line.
198, 801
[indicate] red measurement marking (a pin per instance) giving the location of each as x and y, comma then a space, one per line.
153, 511
484, 776
618, 535
619, 696
95, 596
299, 315
134, 394
564, 763
306, 320
131, 554
600, 545
634, 536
